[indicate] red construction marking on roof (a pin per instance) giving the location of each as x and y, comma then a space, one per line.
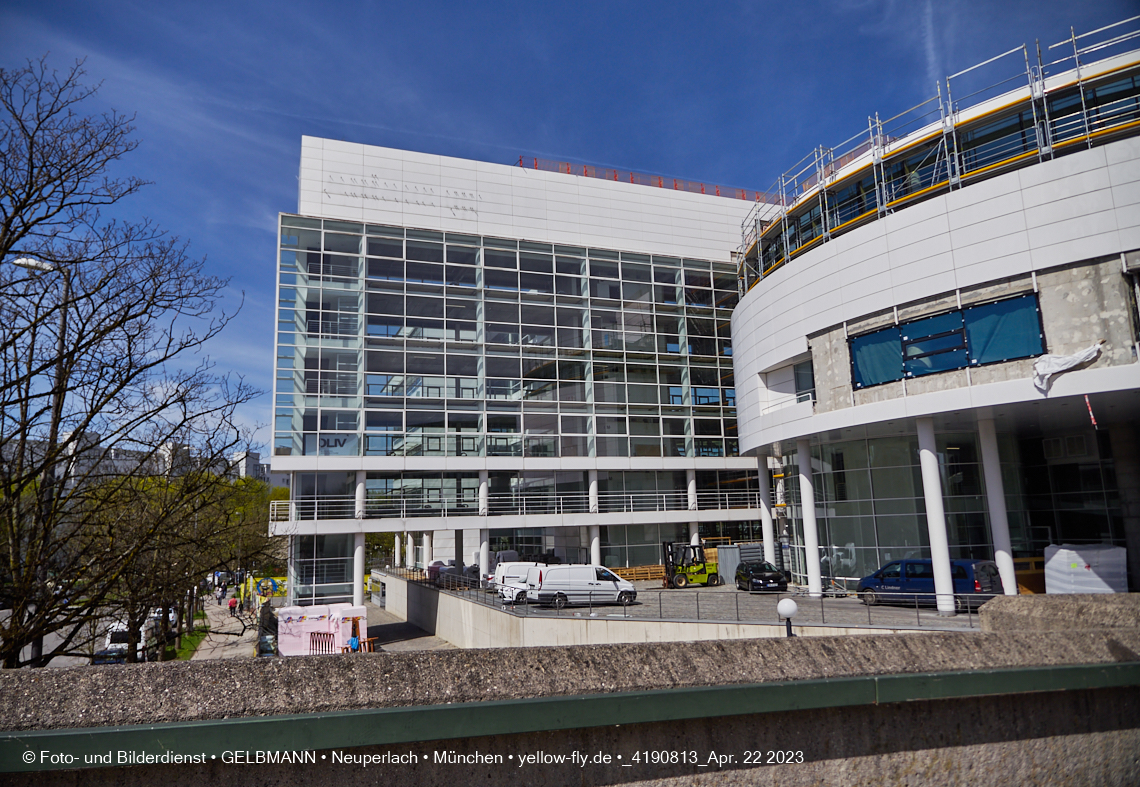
625, 176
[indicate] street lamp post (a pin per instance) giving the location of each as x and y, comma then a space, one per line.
47, 482
787, 609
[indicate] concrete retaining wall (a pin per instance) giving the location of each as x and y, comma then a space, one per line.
467, 624
1062, 612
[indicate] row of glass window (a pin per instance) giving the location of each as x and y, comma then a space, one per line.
303, 233
497, 422
402, 390
393, 275
426, 444
399, 306
601, 368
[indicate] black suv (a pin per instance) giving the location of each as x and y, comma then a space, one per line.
758, 575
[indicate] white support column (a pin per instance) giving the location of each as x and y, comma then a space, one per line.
358, 508
695, 534
484, 552
595, 545
484, 493
410, 550
594, 508
935, 516
995, 502
358, 571
807, 509
766, 526
428, 556
691, 488
396, 556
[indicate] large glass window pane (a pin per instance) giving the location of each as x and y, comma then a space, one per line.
427, 273
536, 282
384, 421
460, 276
425, 252
460, 255
495, 258
501, 279
349, 244
386, 270
385, 247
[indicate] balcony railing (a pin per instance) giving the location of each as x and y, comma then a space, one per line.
523, 504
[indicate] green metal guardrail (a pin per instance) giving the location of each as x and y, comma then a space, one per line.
48, 749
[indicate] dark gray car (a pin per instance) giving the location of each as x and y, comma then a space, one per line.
759, 575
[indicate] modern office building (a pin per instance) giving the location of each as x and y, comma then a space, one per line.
941, 312
478, 357
904, 305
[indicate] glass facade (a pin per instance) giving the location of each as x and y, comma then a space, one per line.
395, 342
870, 507
320, 569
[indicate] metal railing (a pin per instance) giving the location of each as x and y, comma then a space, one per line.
724, 605
523, 504
942, 143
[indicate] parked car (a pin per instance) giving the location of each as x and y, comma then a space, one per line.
759, 575
559, 586
171, 616
911, 580
115, 650
510, 581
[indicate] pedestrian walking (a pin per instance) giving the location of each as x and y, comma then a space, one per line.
233, 607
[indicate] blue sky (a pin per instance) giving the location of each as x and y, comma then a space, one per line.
730, 93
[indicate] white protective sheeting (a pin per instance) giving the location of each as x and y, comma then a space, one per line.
1048, 365
1085, 568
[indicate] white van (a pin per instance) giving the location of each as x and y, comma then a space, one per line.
510, 581
559, 586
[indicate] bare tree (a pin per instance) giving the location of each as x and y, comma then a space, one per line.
115, 427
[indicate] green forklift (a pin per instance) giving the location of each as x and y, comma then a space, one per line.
685, 565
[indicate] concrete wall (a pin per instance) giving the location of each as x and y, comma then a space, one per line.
1055, 739
1062, 612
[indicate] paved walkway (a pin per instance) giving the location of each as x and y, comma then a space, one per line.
225, 640
399, 635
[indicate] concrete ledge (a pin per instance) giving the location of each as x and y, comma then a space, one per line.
1059, 612
193, 691
352, 729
